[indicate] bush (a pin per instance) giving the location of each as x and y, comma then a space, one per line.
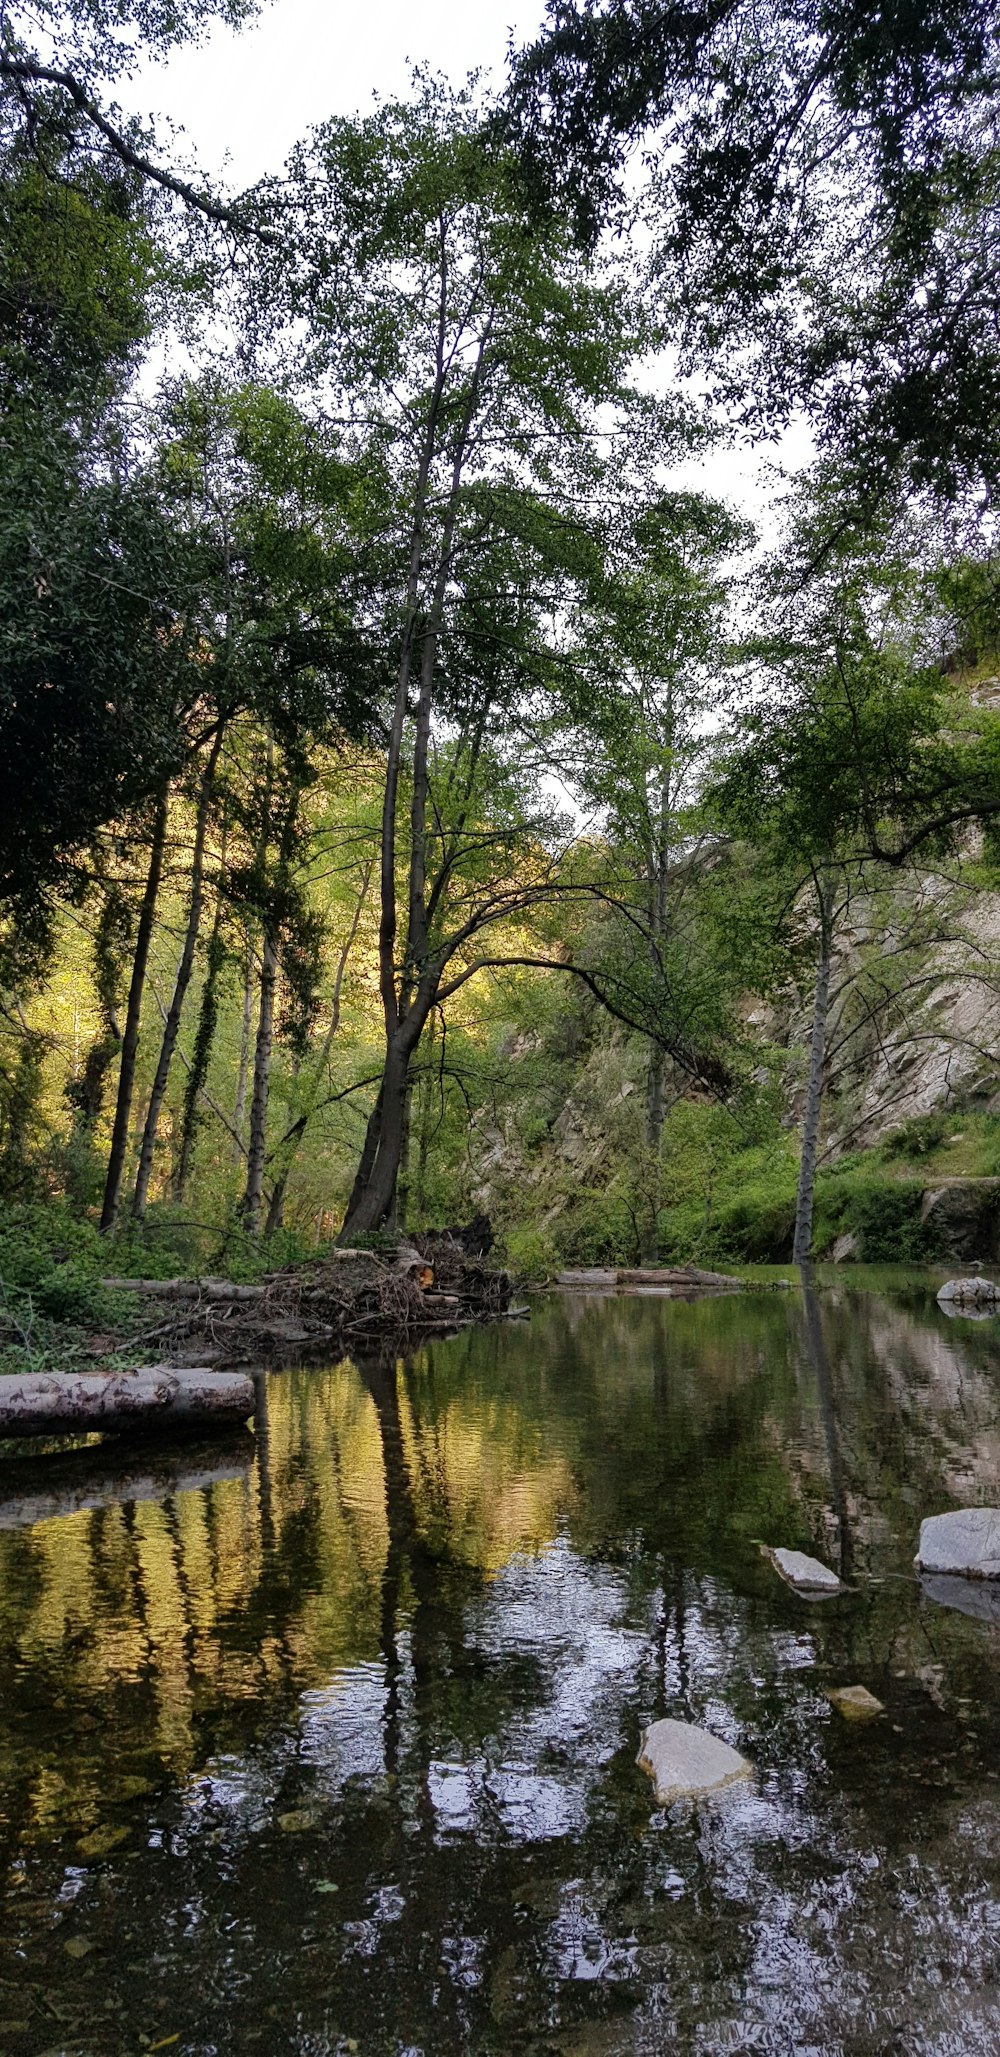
917, 1137
883, 1215
532, 1253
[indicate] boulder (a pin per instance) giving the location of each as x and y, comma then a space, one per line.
963, 1544
855, 1703
806, 1574
684, 1761
975, 1290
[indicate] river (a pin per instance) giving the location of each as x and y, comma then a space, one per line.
326, 1741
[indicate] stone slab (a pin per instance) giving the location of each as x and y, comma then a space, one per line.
806, 1574
963, 1544
684, 1761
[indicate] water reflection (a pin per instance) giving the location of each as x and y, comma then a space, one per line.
338, 1744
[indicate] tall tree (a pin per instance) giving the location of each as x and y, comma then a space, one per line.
473, 356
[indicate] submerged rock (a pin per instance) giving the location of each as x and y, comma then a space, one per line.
683, 1761
974, 1290
806, 1574
855, 1703
964, 1544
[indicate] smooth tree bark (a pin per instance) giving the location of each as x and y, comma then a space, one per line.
130, 1039
172, 1022
802, 1242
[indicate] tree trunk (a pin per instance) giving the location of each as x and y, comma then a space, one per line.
256, 1151
409, 990
802, 1243
243, 1071
291, 1142
257, 1147
654, 1145
656, 1062
171, 1026
208, 1017
130, 1040
371, 1201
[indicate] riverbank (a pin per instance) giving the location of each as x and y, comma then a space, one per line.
71, 1301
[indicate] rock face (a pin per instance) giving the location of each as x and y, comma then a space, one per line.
962, 1217
806, 1574
977, 1291
684, 1761
965, 1544
855, 1703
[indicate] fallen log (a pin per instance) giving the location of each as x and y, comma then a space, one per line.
158, 1398
81, 1481
184, 1288
647, 1279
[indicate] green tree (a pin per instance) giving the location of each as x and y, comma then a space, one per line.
473, 355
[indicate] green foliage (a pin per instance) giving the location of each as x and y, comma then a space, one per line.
531, 1254
882, 1215
918, 1137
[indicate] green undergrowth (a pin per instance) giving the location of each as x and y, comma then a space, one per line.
875, 1196
728, 1201
57, 1314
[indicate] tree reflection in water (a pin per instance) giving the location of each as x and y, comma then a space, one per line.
341, 1744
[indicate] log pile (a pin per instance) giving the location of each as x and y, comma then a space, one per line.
349, 1299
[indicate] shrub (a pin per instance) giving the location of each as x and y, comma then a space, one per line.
917, 1137
532, 1253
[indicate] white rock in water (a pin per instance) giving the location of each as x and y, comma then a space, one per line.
968, 1289
806, 1574
683, 1760
965, 1544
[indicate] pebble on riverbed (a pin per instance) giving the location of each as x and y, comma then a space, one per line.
855, 1703
805, 1574
684, 1761
963, 1544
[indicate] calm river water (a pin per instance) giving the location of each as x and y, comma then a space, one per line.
334, 1750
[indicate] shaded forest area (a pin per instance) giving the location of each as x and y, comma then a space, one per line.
420, 796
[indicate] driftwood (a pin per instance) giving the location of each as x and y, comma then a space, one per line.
110, 1476
185, 1288
159, 1397
344, 1300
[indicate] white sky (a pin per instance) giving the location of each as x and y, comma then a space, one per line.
243, 100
